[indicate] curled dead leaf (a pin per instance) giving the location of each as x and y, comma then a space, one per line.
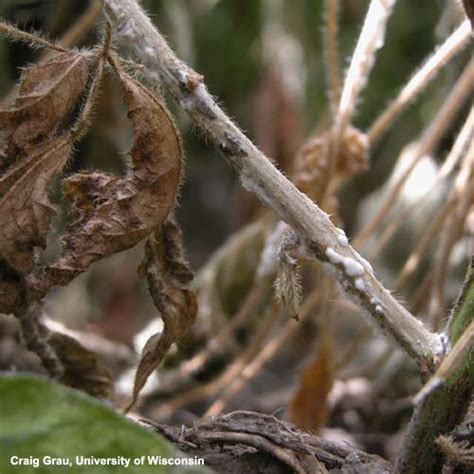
168, 277
30, 154
313, 163
47, 91
288, 289
111, 213
25, 209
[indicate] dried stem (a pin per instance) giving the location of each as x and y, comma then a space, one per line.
224, 379
370, 40
443, 403
456, 153
453, 45
462, 313
270, 349
82, 26
424, 243
84, 120
425, 145
332, 63
223, 343
451, 235
34, 39
35, 341
134, 30
464, 181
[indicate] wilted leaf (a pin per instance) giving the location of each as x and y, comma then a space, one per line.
41, 418
110, 213
314, 166
30, 155
25, 209
288, 280
47, 91
308, 406
168, 277
82, 368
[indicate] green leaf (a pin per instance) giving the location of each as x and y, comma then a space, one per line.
41, 418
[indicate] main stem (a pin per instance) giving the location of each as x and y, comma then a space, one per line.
442, 409
134, 31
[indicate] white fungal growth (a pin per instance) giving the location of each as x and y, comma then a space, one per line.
444, 344
351, 267
127, 28
333, 256
148, 54
378, 308
359, 284
366, 264
248, 183
370, 40
341, 237
268, 259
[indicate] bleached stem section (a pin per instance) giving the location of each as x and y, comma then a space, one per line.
455, 43
370, 40
332, 62
134, 30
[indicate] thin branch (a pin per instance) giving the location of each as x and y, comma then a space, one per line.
462, 141
134, 30
425, 146
370, 40
223, 343
442, 403
268, 352
462, 313
82, 26
332, 63
227, 377
453, 45
464, 180
34, 39
451, 235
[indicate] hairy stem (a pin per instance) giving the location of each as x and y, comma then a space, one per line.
446, 397
134, 30
332, 63
370, 40
453, 45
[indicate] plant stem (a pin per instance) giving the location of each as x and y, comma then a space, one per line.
134, 31
442, 407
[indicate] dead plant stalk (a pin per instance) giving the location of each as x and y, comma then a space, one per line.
134, 30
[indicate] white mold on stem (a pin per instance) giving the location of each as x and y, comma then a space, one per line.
341, 237
134, 30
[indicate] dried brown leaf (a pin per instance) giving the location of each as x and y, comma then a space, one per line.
111, 213
314, 164
83, 369
25, 209
457, 451
288, 289
168, 277
47, 91
308, 407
